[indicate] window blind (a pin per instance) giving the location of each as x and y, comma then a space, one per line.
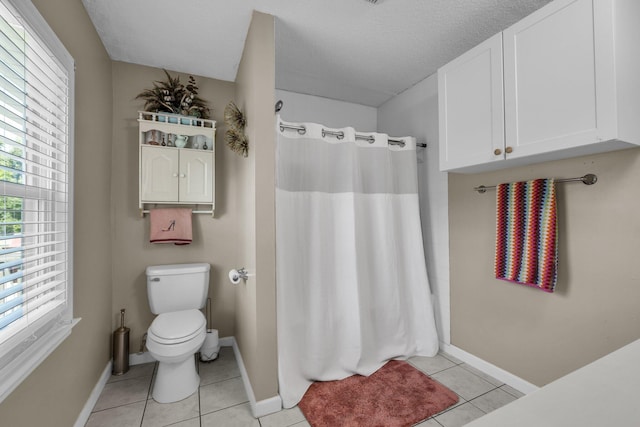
36, 82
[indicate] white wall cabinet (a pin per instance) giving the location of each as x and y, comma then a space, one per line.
176, 175
171, 175
471, 107
565, 87
159, 170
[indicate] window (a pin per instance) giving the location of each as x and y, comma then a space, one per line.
36, 112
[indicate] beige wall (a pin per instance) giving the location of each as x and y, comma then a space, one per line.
596, 307
214, 239
55, 393
255, 305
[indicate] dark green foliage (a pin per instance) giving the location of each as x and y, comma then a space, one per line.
171, 96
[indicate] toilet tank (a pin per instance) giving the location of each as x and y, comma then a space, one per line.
177, 286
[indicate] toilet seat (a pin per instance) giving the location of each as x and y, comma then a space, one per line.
177, 326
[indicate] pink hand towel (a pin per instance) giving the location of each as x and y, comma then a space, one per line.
172, 225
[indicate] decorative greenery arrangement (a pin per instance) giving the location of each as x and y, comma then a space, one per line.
171, 96
235, 137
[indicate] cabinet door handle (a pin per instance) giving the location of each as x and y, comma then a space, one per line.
497, 151
508, 150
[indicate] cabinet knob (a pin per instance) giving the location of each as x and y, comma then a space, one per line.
175, 175
508, 150
497, 151
182, 175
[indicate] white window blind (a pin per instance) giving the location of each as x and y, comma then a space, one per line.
36, 93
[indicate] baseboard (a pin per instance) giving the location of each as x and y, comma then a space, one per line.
93, 397
267, 406
258, 408
227, 342
490, 369
263, 407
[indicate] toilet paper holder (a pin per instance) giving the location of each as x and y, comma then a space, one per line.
236, 274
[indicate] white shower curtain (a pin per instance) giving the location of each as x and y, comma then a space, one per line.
352, 288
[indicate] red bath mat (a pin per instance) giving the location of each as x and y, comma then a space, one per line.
396, 395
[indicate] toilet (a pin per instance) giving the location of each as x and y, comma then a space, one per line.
176, 294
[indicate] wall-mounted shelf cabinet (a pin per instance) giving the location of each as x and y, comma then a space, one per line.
557, 84
176, 176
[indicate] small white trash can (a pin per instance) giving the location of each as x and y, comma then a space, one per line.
211, 347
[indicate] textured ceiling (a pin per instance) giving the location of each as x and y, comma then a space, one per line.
350, 50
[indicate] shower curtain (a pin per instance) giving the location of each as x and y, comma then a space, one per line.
352, 288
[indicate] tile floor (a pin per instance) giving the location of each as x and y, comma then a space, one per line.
221, 400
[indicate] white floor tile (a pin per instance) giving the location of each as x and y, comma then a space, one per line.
460, 401
450, 357
463, 382
223, 394
429, 423
135, 371
512, 391
459, 416
493, 400
193, 422
123, 392
482, 375
223, 368
431, 365
284, 418
121, 416
222, 400
236, 416
164, 414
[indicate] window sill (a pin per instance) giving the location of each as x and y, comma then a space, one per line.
18, 370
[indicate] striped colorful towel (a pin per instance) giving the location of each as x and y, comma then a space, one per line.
527, 233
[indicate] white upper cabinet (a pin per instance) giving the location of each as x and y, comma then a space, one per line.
555, 90
571, 78
471, 109
176, 175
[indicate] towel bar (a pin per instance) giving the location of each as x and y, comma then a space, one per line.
146, 211
588, 179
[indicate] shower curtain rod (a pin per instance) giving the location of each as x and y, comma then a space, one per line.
588, 179
340, 134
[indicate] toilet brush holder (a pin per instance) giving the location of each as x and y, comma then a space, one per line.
121, 348
211, 347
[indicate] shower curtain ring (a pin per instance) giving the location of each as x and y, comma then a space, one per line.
339, 135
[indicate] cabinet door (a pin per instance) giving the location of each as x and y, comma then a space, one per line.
159, 175
196, 176
470, 105
554, 93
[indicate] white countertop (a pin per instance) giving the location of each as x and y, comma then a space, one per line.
603, 393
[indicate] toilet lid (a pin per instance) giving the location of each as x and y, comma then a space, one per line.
177, 326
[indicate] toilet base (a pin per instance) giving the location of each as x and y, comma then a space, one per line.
175, 381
